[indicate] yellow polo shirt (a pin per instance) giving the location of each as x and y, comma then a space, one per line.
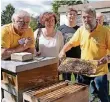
108, 51
9, 39
93, 45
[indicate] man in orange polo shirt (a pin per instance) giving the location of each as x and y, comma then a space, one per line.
17, 36
94, 41
100, 20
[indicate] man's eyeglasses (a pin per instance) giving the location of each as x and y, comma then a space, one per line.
22, 22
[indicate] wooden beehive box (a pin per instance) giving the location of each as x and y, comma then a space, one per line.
60, 92
18, 77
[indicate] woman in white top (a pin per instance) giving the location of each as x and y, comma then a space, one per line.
50, 40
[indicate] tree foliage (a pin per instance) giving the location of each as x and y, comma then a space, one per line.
7, 14
33, 23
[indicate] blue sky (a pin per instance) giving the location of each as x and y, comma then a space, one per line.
34, 7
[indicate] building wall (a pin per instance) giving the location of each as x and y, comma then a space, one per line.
107, 17
62, 18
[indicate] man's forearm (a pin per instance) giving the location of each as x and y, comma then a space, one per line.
20, 48
104, 60
66, 47
62, 53
6, 53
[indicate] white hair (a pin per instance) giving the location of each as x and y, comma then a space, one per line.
20, 13
99, 14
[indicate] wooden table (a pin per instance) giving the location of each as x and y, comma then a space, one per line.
18, 77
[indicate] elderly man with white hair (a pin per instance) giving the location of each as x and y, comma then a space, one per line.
100, 18
17, 36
